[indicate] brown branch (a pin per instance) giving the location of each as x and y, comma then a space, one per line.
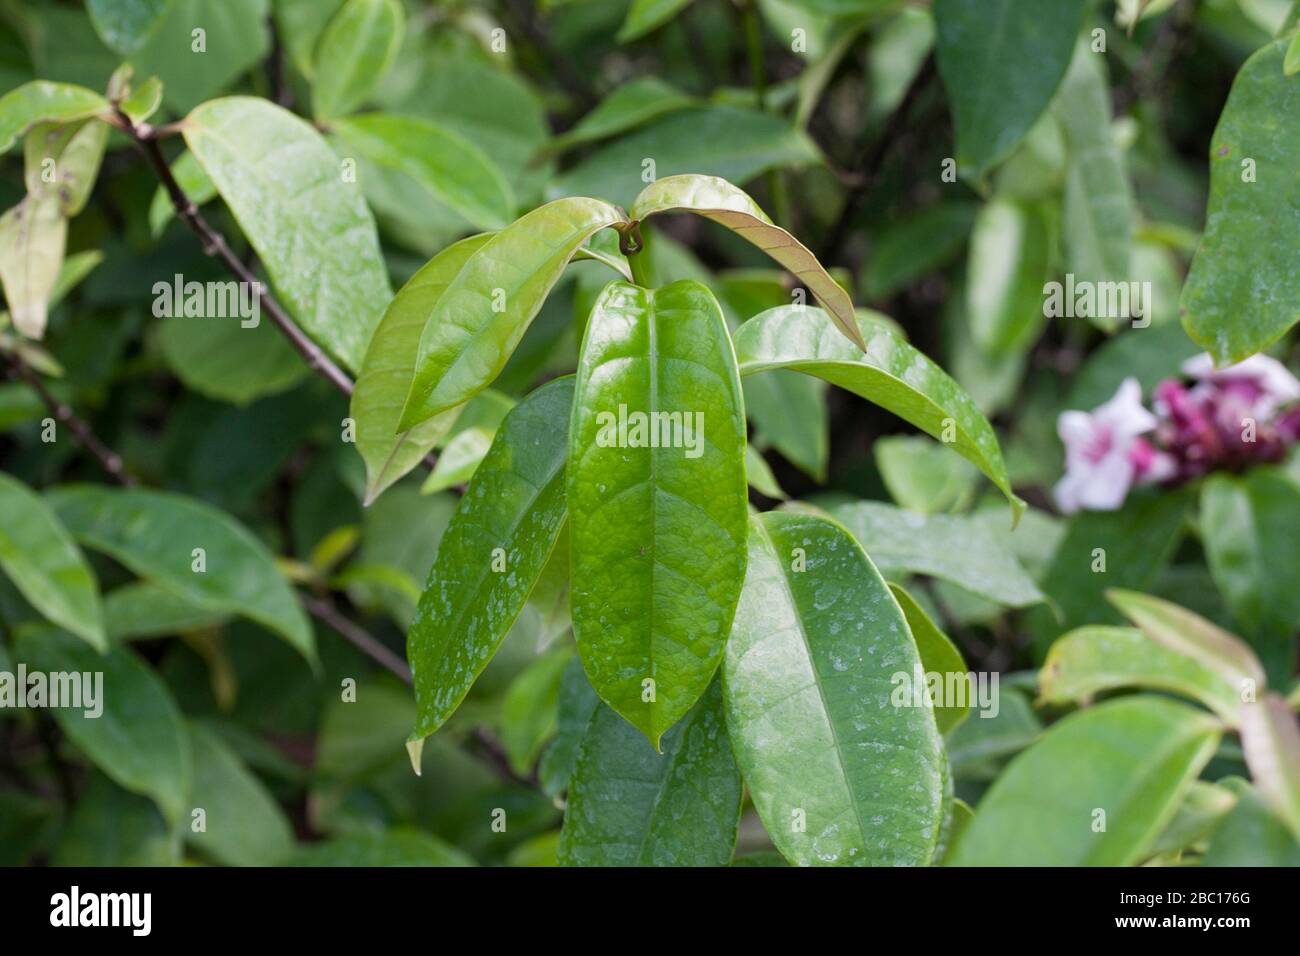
146, 138
108, 459
325, 612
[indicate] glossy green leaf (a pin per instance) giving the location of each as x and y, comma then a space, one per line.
41, 101
1132, 759
400, 847
956, 548
839, 774
33, 235
143, 100
634, 103
938, 656
1235, 312
631, 806
1291, 62
41, 559
1201, 813
1010, 262
312, 231
156, 534
389, 367
491, 554
452, 168
922, 476
718, 200
657, 521
131, 730
1098, 211
243, 825
529, 709
300, 24
485, 310
730, 142
355, 51
1179, 630
1090, 660
1250, 525
643, 16
1270, 738
1001, 61
890, 373
125, 24
909, 250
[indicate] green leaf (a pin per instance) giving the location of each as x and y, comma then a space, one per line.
890, 373
760, 477
530, 707
32, 239
976, 746
1250, 525
1201, 813
730, 142
485, 310
41, 559
838, 773
73, 151
956, 548
1252, 836
243, 825
657, 533
137, 737
1106, 549
1235, 312
400, 847
1010, 262
491, 554
143, 101
1179, 630
113, 827
631, 806
452, 168
1090, 660
144, 609
938, 656
634, 103
313, 232
155, 534
194, 68
389, 367
922, 476
1001, 61
125, 24
577, 704
646, 15
353, 54
1132, 758
224, 359
718, 200
908, 250
459, 460
300, 24
41, 101
1291, 63
1270, 738
1098, 212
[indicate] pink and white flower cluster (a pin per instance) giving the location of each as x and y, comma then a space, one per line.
1226, 419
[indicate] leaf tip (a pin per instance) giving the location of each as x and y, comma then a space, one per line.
415, 750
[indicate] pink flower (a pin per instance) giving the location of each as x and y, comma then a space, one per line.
1104, 455
1257, 387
